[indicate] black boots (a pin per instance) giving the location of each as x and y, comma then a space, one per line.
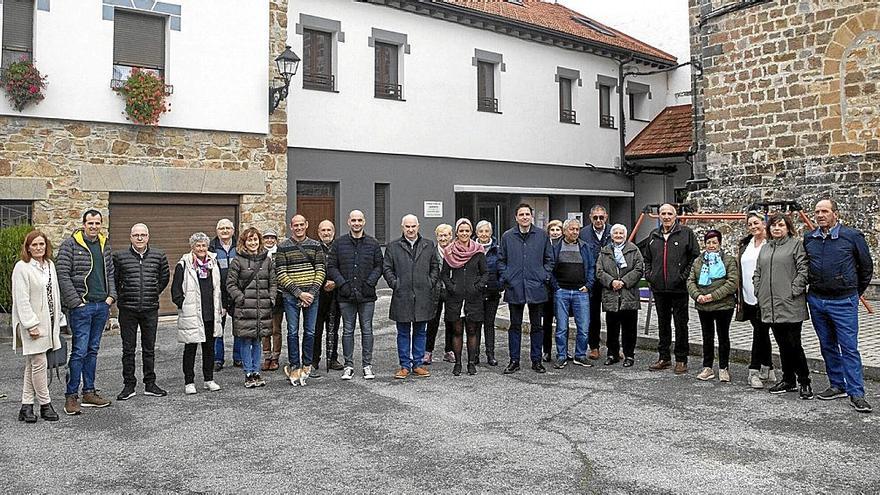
26, 413
47, 412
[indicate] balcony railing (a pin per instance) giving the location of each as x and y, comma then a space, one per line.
324, 82
606, 121
389, 91
568, 116
487, 104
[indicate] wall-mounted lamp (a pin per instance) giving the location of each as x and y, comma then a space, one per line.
287, 64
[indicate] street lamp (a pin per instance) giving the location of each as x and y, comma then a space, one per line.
287, 64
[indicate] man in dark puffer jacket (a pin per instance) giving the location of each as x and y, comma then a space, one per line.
141, 275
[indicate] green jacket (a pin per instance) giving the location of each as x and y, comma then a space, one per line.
723, 290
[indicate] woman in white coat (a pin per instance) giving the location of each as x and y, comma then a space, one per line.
196, 292
36, 311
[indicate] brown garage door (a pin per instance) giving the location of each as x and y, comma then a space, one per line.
172, 218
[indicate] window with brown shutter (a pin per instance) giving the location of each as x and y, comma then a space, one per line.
386, 72
381, 213
138, 40
486, 101
317, 60
18, 31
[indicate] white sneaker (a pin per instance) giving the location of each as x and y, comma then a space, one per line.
368, 373
706, 374
771, 376
190, 388
723, 375
347, 373
212, 386
755, 380
764, 374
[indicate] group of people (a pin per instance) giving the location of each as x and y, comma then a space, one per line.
563, 272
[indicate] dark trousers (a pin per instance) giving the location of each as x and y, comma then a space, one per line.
791, 352
514, 333
762, 349
434, 328
712, 322
129, 321
189, 357
672, 306
328, 320
490, 309
621, 324
596, 318
547, 315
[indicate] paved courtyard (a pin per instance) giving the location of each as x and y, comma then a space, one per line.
597, 430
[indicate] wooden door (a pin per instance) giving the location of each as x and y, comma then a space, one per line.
316, 209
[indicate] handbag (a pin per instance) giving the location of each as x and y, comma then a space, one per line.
56, 359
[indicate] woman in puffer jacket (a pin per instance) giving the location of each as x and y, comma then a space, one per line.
195, 291
252, 286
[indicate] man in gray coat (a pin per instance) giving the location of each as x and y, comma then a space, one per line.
412, 271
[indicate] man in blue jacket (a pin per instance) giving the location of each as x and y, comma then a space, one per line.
597, 236
525, 264
840, 271
574, 276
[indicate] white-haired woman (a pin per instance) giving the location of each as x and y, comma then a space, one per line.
443, 234
196, 292
619, 269
492, 295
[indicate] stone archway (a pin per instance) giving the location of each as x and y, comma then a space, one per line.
852, 62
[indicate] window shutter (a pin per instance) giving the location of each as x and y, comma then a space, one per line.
381, 196
138, 40
18, 25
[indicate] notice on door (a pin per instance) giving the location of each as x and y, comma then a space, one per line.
433, 209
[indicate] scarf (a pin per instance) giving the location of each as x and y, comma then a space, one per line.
712, 269
456, 254
618, 254
203, 268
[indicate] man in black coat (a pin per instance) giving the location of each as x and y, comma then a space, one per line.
670, 252
355, 265
597, 236
141, 275
411, 270
328, 308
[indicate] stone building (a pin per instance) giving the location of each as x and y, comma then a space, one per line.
788, 105
217, 153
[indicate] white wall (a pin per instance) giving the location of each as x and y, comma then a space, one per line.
439, 116
217, 63
660, 23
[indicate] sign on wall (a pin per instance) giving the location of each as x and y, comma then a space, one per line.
433, 209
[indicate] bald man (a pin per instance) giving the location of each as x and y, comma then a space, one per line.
328, 308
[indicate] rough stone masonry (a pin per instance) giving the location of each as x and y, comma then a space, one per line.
788, 106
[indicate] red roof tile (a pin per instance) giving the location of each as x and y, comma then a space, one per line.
670, 133
560, 18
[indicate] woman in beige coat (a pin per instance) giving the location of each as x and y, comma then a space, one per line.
195, 291
36, 311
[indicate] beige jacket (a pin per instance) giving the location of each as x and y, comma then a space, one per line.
30, 308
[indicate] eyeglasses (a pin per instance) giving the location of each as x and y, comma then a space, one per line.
598, 217
140, 235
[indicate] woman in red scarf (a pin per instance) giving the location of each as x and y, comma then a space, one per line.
464, 273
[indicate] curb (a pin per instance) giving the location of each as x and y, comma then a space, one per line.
649, 343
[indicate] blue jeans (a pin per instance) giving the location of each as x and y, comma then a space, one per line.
293, 310
577, 304
364, 313
514, 332
411, 350
837, 325
87, 325
220, 351
251, 354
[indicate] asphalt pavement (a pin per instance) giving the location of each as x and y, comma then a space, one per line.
576, 430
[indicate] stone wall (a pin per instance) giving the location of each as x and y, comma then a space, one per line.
788, 107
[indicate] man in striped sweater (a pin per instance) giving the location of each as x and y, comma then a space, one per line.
299, 265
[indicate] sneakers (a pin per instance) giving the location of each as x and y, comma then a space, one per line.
259, 381
805, 391
449, 357
471, 369
706, 375
724, 375
71, 405
628, 362
783, 387
189, 389
218, 366
681, 368
92, 399
582, 362
860, 404
368, 373
249, 381
127, 393
660, 365
831, 393
153, 390
560, 364
421, 372
548, 358
755, 379
335, 365
512, 367
537, 367
764, 373
401, 374
456, 369
211, 385
238, 364
348, 373
429, 358
315, 371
